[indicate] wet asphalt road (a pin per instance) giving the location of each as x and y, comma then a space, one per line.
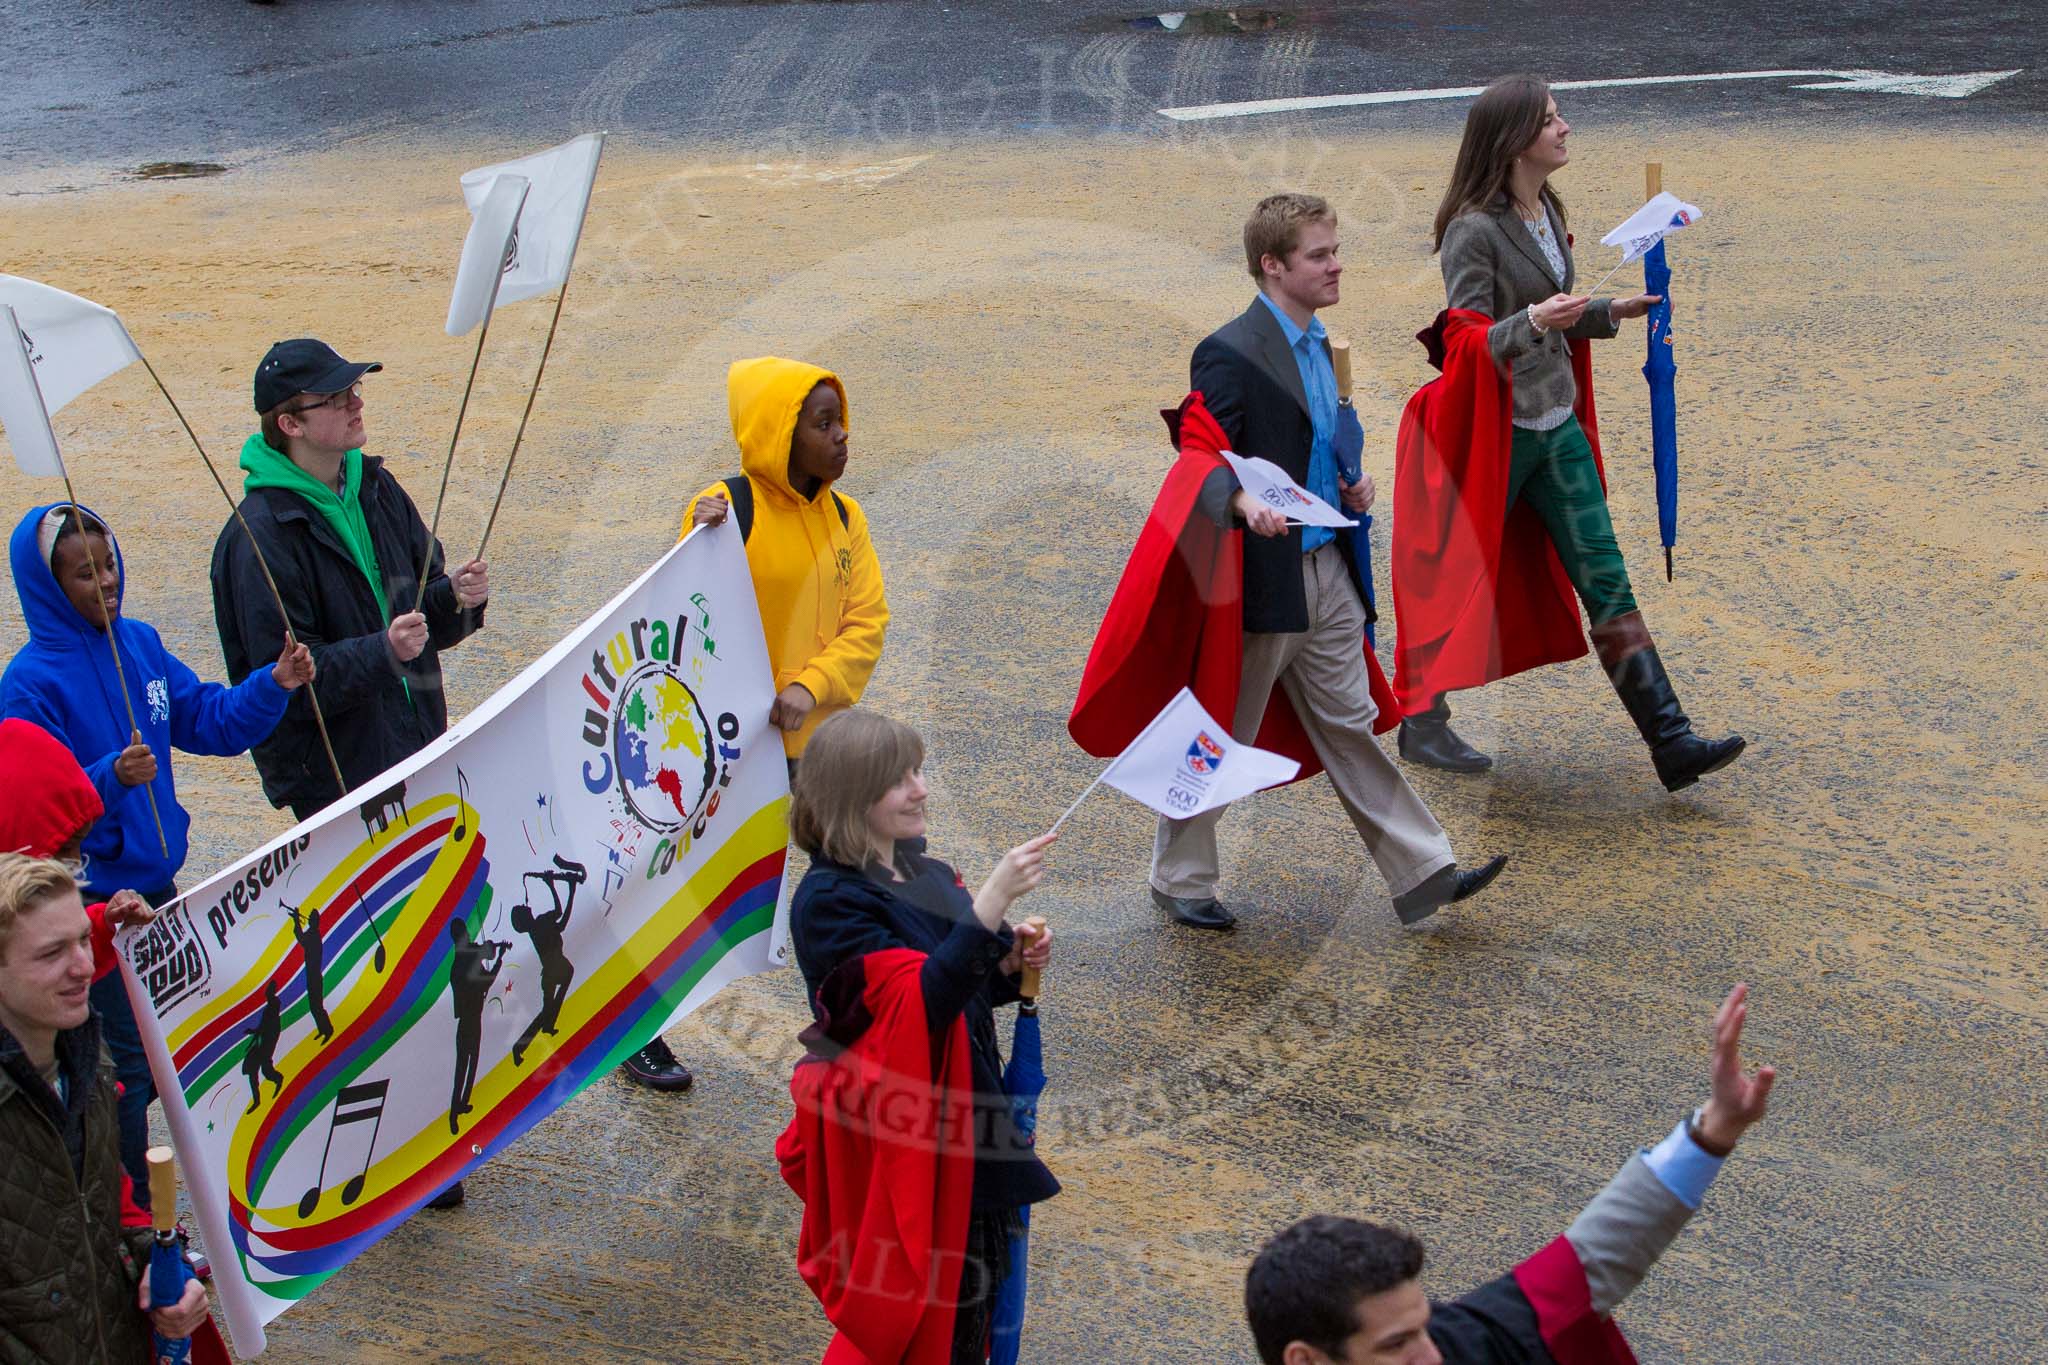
131, 81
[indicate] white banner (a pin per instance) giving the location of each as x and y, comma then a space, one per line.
1651, 224
1272, 485
544, 247
366, 1008
1184, 763
486, 253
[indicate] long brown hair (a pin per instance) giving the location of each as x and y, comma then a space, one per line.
1501, 124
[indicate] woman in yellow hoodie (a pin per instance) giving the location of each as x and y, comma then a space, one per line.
815, 574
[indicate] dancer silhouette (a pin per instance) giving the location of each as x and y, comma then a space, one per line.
545, 929
476, 966
261, 1054
307, 932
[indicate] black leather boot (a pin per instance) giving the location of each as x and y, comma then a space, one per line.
1682, 757
1427, 738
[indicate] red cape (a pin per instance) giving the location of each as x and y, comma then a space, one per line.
1554, 1283
881, 1153
1177, 620
1479, 593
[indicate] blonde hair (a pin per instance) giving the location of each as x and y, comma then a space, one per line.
1275, 227
851, 762
25, 884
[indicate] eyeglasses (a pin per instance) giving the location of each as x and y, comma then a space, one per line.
332, 400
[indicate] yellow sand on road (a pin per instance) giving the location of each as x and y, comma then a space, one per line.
1861, 588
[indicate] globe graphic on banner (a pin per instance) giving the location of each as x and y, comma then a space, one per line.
663, 746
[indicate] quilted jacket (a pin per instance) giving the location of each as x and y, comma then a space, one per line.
68, 1269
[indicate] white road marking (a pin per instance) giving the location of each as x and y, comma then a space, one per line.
1943, 87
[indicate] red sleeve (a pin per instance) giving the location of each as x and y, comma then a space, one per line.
104, 959
133, 1215
1554, 1283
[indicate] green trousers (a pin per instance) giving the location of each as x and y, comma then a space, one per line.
1554, 472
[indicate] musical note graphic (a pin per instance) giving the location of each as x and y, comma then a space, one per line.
461, 830
377, 958
704, 623
355, 1104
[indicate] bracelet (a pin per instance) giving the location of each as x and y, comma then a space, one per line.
1538, 328
1692, 1130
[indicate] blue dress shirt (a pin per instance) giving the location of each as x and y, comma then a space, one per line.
1685, 1168
1319, 383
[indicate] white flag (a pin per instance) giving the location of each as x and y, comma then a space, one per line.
1651, 224
1272, 485
486, 253
544, 245
1184, 763
73, 342
21, 408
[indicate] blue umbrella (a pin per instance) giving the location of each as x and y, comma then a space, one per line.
1661, 370
168, 1272
1023, 1082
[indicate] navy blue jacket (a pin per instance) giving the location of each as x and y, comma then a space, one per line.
63, 680
840, 914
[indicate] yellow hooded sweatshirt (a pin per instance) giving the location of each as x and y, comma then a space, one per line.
817, 581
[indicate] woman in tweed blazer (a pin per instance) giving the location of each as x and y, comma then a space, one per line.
1505, 253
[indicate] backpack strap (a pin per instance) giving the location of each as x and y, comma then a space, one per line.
845, 521
739, 492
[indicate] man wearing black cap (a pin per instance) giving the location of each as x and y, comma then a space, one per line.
345, 544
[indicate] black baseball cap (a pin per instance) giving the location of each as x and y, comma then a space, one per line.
303, 365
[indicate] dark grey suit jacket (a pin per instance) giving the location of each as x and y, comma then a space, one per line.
1248, 377
1493, 264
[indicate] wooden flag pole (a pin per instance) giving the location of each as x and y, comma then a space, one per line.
312, 696
434, 528
1653, 184
520, 435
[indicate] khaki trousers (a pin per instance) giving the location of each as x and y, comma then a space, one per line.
1323, 670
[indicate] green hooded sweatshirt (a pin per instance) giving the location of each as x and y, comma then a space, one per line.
268, 468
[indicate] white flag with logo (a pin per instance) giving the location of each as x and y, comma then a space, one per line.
1273, 486
60, 346
486, 253
1651, 224
544, 244
21, 410
1184, 763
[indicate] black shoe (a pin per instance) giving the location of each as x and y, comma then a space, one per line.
1444, 886
655, 1067
450, 1198
1682, 757
1206, 913
1427, 738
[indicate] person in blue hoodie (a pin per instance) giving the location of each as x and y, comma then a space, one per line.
64, 681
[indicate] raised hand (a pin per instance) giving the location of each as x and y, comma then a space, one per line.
1018, 874
711, 510
472, 584
1738, 1099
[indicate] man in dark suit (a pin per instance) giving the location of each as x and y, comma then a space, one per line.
1267, 378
